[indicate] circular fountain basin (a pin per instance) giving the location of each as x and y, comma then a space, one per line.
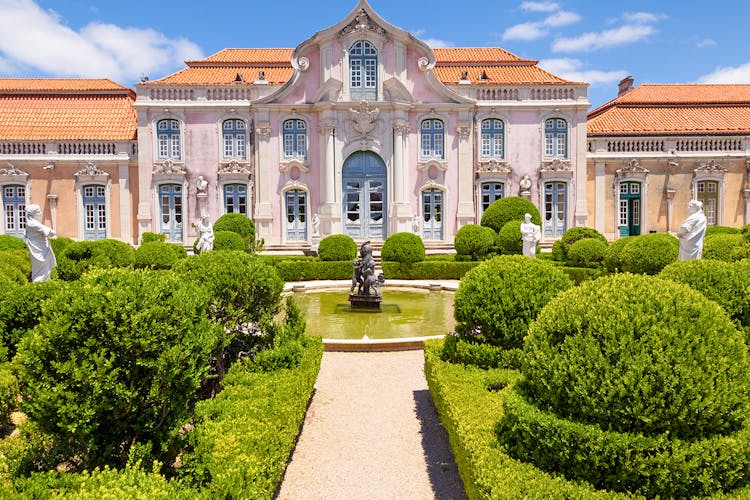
409, 314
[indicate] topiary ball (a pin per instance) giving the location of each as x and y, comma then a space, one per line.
237, 223
496, 301
509, 239
642, 355
405, 248
575, 234
337, 248
80, 256
588, 252
721, 246
504, 210
712, 230
613, 257
229, 240
157, 255
474, 240
649, 253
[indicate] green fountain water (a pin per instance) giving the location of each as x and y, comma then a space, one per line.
403, 314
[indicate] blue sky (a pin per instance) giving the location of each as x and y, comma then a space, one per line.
595, 41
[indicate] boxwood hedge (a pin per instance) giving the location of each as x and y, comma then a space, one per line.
337, 247
649, 253
504, 210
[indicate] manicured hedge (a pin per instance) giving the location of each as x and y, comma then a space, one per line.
474, 241
508, 240
337, 247
573, 235
20, 259
428, 270
80, 256
21, 310
406, 248
229, 240
580, 274
721, 246
243, 438
8, 392
504, 210
239, 224
485, 356
306, 270
587, 252
8, 242
157, 255
613, 257
649, 253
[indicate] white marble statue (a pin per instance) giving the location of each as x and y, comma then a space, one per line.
525, 184
530, 234
205, 235
37, 240
201, 185
692, 231
315, 224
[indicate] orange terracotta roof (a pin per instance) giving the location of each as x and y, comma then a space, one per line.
55, 85
67, 117
498, 75
474, 55
227, 75
677, 109
244, 56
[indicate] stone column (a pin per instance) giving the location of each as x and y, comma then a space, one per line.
123, 181
52, 200
465, 210
581, 213
401, 210
329, 208
262, 216
669, 194
600, 186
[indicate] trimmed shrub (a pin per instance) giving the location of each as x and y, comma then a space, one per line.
721, 246
712, 230
741, 252
587, 252
80, 256
504, 210
59, 244
580, 274
496, 301
405, 248
115, 361
8, 242
649, 253
8, 392
613, 257
557, 253
148, 237
10, 274
21, 310
19, 259
157, 255
474, 240
237, 223
639, 354
428, 270
337, 247
576, 234
484, 356
306, 270
229, 240
509, 240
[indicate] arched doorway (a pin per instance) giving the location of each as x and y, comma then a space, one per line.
365, 196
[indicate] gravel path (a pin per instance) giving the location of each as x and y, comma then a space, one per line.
372, 432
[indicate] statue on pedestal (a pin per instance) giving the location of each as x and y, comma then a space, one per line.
692, 231
205, 235
37, 240
365, 280
530, 234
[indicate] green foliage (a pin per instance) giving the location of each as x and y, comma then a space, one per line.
649, 253
59, 244
21, 310
659, 466
587, 252
504, 210
78, 257
474, 241
428, 270
337, 247
228, 240
613, 257
148, 237
580, 274
11, 275
157, 255
741, 252
721, 246
115, 360
496, 301
573, 235
306, 270
712, 230
557, 253
244, 436
18, 260
484, 356
8, 242
8, 392
237, 223
508, 239
405, 248
639, 354
726, 283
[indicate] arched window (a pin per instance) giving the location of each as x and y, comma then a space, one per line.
363, 71
432, 214
708, 193
169, 143
493, 138
296, 215
235, 139
14, 210
295, 139
94, 212
555, 138
432, 139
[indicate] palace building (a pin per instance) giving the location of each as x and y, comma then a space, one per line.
365, 130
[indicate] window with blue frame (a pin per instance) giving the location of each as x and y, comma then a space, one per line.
235, 199
235, 139
555, 138
94, 212
491, 191
14, 208
363, 71
169, 139
432, 138
295, 138
493, 138
170, 203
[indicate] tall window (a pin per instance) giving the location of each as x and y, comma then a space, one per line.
296, 215
94, 212
491, 191
708, 193
555, 138
168, 133
14, 208
432, 214
432, 138
555, 209
363, 71
493, 132
235, 139
235, 199
170, 204
295, 139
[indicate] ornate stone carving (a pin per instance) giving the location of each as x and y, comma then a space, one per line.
494, 166
362, 24
303, 63
364, 118
711, 167
556, 165
12, 170
633, 168
168, 167
234, 167
264, 132
90, 170
327, 127
401, 128
424, 63
463, 131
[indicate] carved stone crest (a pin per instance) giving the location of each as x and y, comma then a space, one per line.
633, 168
710, 167
12, 170
463, 131
90, 170
234, 167
264, 132
557, 165
364, 118
168, 167
362, 24
494, 166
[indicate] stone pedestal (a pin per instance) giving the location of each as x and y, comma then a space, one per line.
365, 301
315, 242
202, 205
526, 195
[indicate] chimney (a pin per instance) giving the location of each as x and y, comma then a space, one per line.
626, 85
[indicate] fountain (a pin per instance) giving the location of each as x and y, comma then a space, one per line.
365, 281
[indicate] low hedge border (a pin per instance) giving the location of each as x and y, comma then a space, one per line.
428, 270
308, 270
469, 406
654, 466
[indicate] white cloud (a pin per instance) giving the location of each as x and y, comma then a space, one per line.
603, 39
525, 31
572, 69
562, 18
737, 74
706, 42
32, 37
436, 43
540, 6
642, 17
